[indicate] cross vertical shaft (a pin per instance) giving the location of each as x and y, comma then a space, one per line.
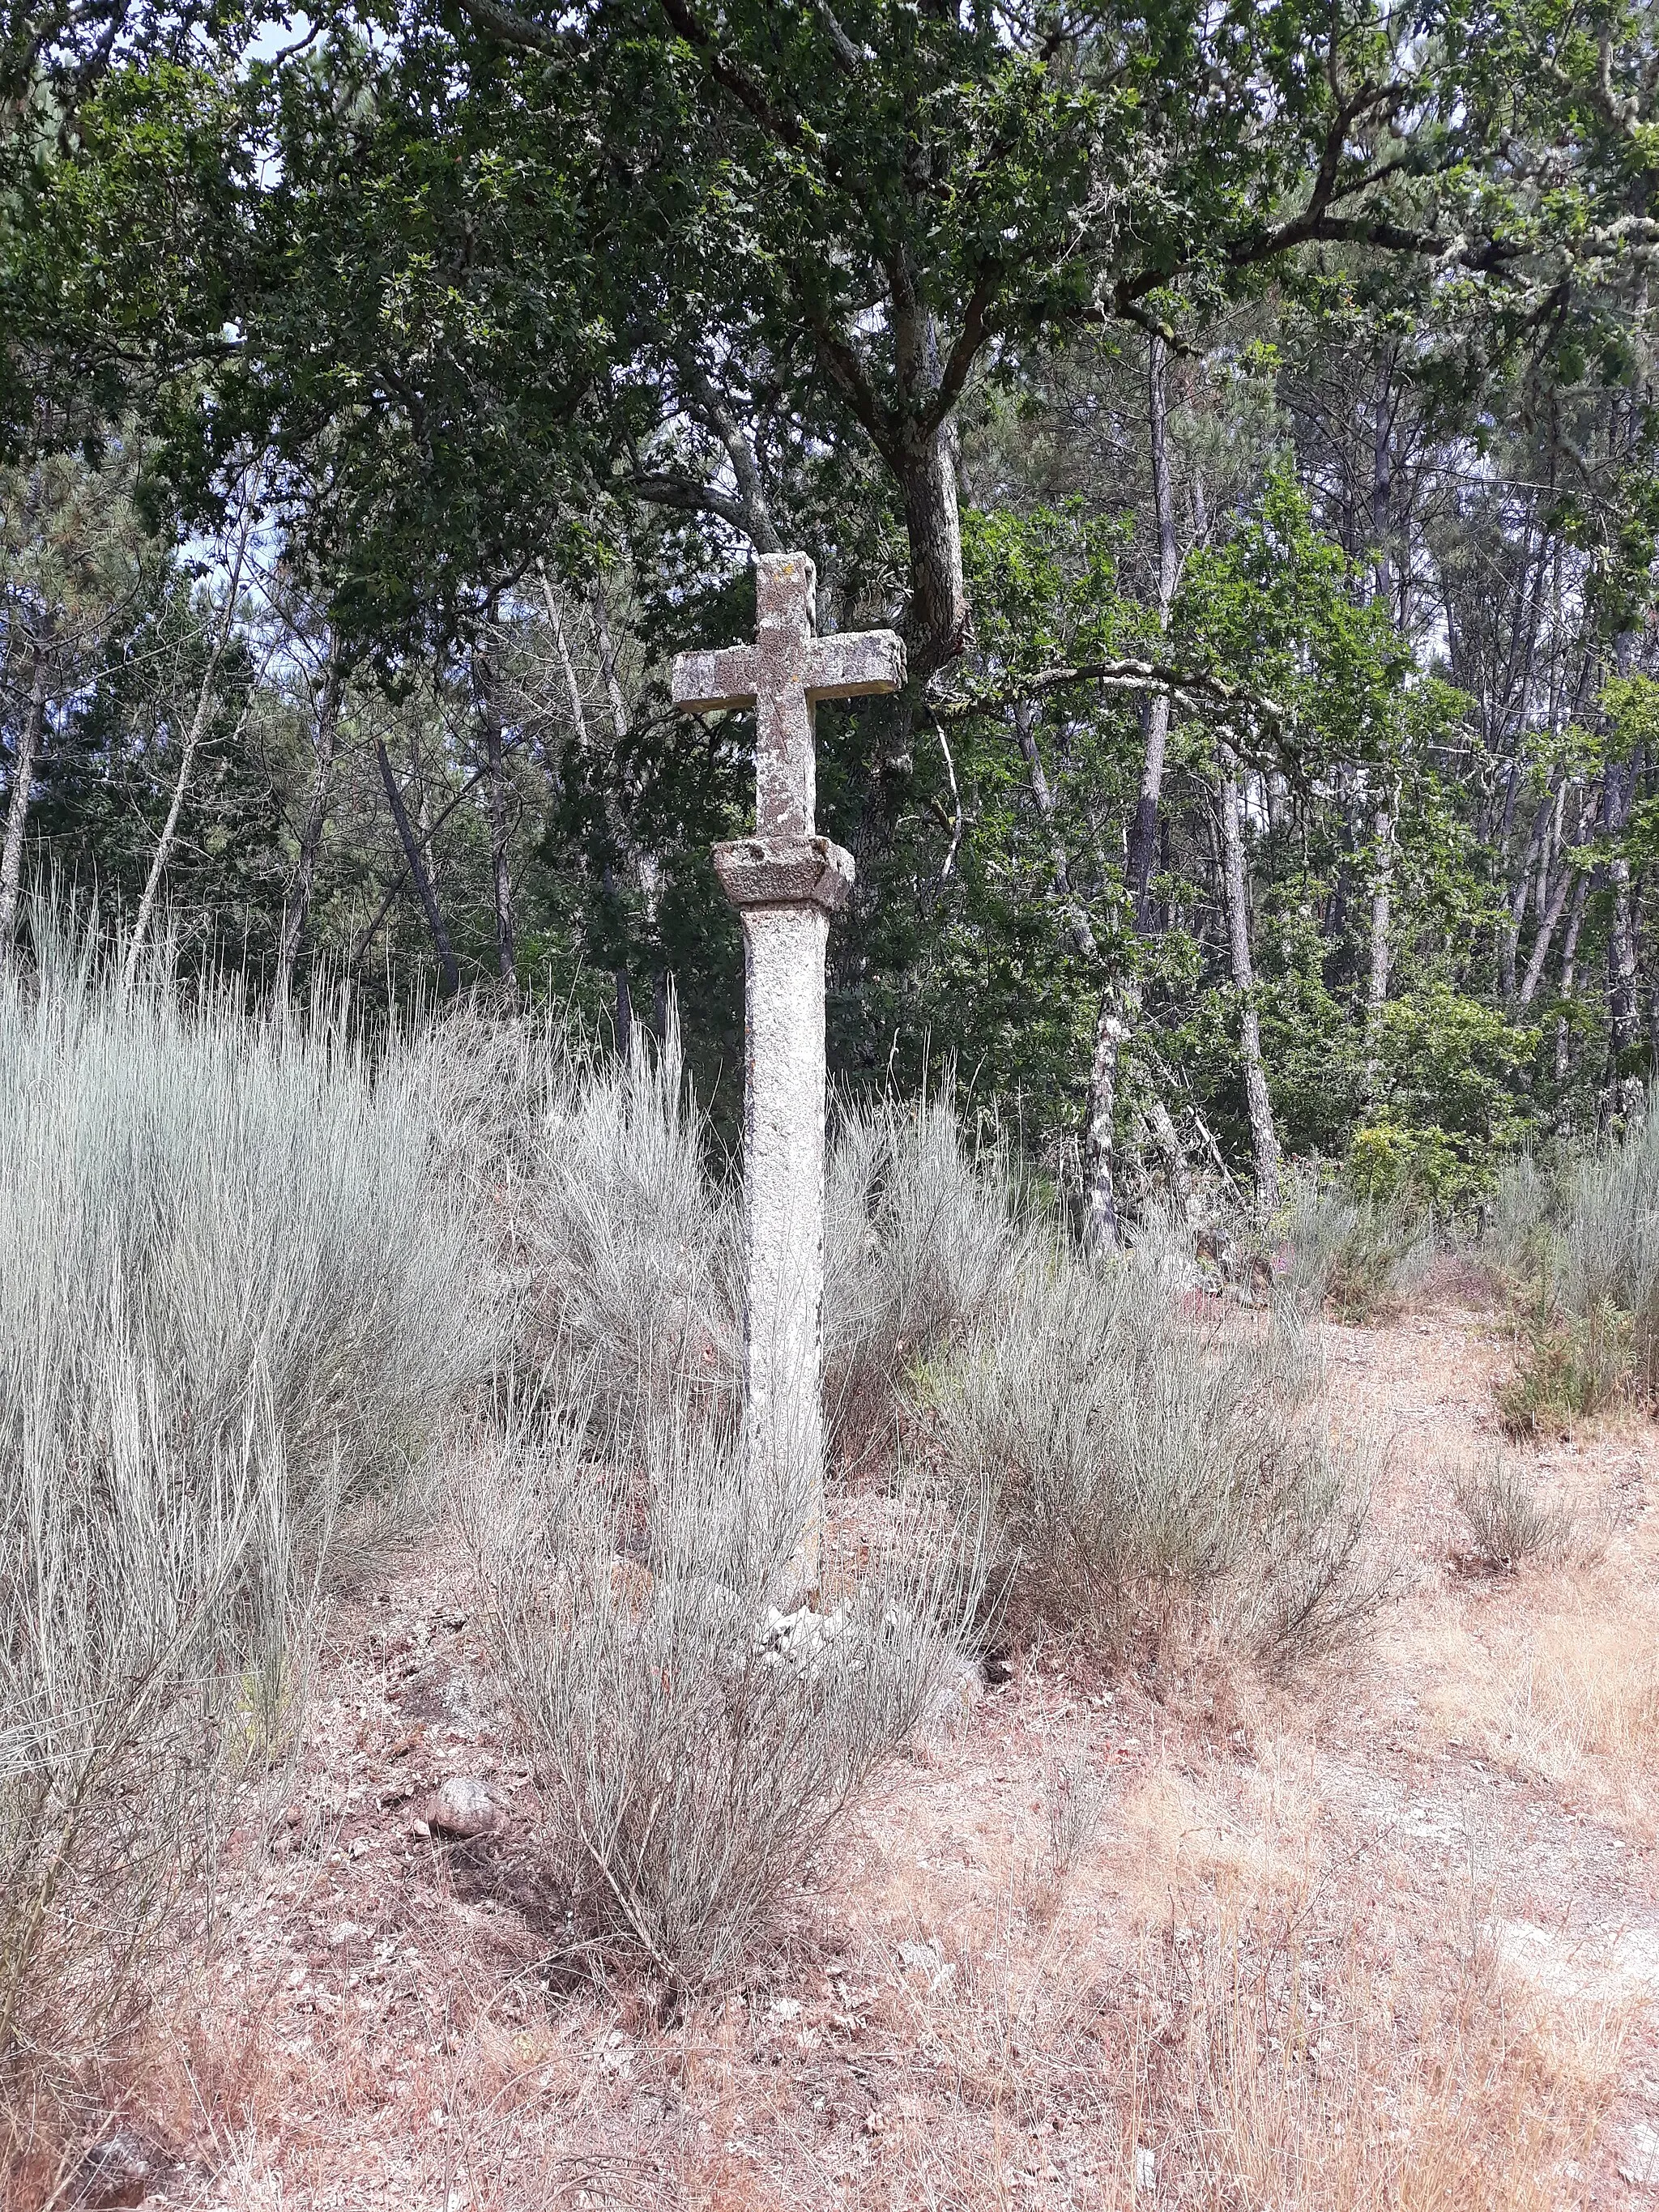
786, 883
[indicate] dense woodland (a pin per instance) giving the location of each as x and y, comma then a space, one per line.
1246, 414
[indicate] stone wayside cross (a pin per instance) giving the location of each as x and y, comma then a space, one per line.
786, 881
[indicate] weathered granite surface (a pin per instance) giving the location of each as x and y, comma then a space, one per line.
786, 881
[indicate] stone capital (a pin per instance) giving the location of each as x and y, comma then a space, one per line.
760, 871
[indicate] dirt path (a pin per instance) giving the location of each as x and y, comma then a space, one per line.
1386, 1934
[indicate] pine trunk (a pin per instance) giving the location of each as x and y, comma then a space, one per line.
296, 907
17, 809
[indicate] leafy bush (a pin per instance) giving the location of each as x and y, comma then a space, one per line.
231, 1304
1119, 1454
1421, 1170
699, 1749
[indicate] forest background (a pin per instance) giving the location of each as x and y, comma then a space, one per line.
1245, 413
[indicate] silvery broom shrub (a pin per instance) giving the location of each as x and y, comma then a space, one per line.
244, 1212
232, 1306
921, 1243
1357, 1259
1579, 1241
1124, 1458
155, 1626
698, 1749
632, 1249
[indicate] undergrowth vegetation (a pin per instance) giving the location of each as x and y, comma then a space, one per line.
698, 1746
1357, 1257
251, 1283
1577, 1242
233, 1311
1508, 1522
1126, 1461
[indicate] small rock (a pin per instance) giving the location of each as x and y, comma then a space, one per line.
801, 1638
118, 2169
1146, 2172
465, 1807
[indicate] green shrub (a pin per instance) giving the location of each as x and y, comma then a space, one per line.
1570, 1366
1420, 1170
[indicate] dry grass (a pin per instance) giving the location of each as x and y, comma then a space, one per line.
1280, 2011
232, 1312
1285, 2062
1567, 1693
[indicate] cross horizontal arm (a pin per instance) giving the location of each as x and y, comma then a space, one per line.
854, 664
702, 681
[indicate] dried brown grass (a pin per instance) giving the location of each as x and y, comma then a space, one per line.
1287, 2054
1564, 1692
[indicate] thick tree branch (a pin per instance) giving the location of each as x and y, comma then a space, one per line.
514, 29
1189, 688
685, 496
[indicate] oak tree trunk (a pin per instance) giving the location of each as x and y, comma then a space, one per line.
937, 619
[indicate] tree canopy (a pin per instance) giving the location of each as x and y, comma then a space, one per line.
1244, 412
